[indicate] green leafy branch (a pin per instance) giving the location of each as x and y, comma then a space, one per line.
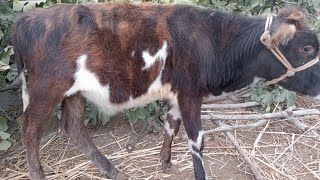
4, 136
272, 98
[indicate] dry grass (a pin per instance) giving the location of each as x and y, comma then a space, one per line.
279, 150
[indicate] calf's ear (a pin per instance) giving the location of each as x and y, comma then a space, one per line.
292, 15
287, 22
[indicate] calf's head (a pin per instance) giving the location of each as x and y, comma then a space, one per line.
299, 44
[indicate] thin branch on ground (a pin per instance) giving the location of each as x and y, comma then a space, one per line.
286, 149
300, 125
226, 128
233, 96
229, 106
245, 157
283, 114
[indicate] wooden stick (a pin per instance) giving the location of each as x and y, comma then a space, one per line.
232, 96
275, 169
229, 106
297, 123
283, 114
233, 140
300, 125
226, 128
286, 149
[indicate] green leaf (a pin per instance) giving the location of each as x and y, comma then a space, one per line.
6, 13
92, 114
5, 9
1, 34
104, 118
4, 67
3, 83
267, 100
280, 96
141, 113
131, 116
3, 124
266, 11
4, 145
4, 59
4, 135
268, 108
11, 75
291, 98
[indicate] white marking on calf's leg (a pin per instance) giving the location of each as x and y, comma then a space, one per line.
169, 130
25, 94
150, 60
175, 110
175, 113
197, 145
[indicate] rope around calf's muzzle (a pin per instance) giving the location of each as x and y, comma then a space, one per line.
266, 40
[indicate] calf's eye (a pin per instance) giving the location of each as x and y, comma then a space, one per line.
308, 49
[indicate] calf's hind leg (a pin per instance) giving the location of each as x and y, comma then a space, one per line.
72, 123
171, 124
32, 121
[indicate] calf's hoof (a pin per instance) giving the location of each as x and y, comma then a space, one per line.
37, 175
169, 168
121, 176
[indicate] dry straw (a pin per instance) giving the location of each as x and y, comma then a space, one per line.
281, 147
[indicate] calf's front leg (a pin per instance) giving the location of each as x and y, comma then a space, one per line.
190, 108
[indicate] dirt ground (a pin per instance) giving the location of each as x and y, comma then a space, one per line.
279, 151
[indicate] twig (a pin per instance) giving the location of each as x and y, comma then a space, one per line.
286, 149
226, 128
232, 96
229, 106
297, 123
305, 166
275, 169
255, 144
300, 125
283, 114
232, 139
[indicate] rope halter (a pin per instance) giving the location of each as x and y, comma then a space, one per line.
266, 39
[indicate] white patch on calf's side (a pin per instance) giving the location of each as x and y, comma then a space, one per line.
132, 54
150, 60
25, 94
87, 82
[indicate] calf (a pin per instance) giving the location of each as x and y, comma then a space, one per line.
119, 56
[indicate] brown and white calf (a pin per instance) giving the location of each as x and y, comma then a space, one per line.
120, 56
